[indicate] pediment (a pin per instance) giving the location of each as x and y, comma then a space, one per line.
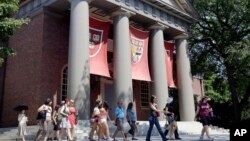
181, 5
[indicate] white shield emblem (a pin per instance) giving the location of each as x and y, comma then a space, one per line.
136, 49
95, 41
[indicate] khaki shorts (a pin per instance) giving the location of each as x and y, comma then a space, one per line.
120, 126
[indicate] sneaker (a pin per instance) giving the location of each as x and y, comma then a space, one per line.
201, 137
134, 139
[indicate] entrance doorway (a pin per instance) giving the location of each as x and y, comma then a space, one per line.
107, 92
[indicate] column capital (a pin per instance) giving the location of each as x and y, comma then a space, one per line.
157, 25
182, 36
82, 0
121, 11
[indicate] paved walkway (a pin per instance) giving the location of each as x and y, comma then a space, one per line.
9, 134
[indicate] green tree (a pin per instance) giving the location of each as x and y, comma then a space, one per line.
220, 45
8, 26
216, 88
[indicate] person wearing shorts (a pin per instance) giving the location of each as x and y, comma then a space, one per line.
202, 112
119, 113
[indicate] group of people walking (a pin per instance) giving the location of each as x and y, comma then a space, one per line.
100, 117
170, 126
60, 120
63, 119
203, 114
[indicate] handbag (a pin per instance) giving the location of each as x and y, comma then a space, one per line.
41, 115
116, 121
170, 119
94, 119
157, 114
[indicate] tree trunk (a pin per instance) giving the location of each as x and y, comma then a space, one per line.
245, 99
233, 86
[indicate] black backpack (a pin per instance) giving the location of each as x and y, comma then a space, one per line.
41, 115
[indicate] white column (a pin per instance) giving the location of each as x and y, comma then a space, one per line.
123, 89
184, 78
158, 66
78, 58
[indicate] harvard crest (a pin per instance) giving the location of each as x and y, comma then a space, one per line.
95, 41
136, 49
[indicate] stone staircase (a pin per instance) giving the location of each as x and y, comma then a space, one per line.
185, 128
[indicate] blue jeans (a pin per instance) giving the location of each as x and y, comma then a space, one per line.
153, 120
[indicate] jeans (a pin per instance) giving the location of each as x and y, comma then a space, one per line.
132, 127
153, 120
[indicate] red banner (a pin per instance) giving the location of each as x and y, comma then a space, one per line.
169, 47
139, 54
98, 37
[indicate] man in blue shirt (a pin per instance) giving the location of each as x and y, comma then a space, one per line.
119, 113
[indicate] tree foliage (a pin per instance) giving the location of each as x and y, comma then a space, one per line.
217, 89
220, 48
8, 26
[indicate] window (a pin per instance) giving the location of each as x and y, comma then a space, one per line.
145, 91
64, 83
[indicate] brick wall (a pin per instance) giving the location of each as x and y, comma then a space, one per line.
35, 72
23, 71
197, 86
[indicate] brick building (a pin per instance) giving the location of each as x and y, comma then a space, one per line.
52, 61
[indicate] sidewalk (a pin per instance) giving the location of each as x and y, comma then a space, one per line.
9, 134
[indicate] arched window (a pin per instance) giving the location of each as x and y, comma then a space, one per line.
64, 83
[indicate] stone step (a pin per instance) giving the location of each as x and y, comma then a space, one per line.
83, 128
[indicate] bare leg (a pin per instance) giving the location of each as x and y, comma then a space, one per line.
107, 131
38, 134
101, 130
123, 135
69, 134
207, 131
93, 128
23, 138
46, 135
171, 130
73, 131
58, 135
202, 131
115, 133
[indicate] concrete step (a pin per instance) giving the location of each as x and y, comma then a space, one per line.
83, 128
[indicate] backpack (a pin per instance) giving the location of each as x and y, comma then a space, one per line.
41, 115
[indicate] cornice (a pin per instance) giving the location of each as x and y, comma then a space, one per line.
31, 8
149, 10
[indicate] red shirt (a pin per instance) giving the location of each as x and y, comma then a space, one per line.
204, 109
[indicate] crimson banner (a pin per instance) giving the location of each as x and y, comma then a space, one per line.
98, 37
169, 47
139, 54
